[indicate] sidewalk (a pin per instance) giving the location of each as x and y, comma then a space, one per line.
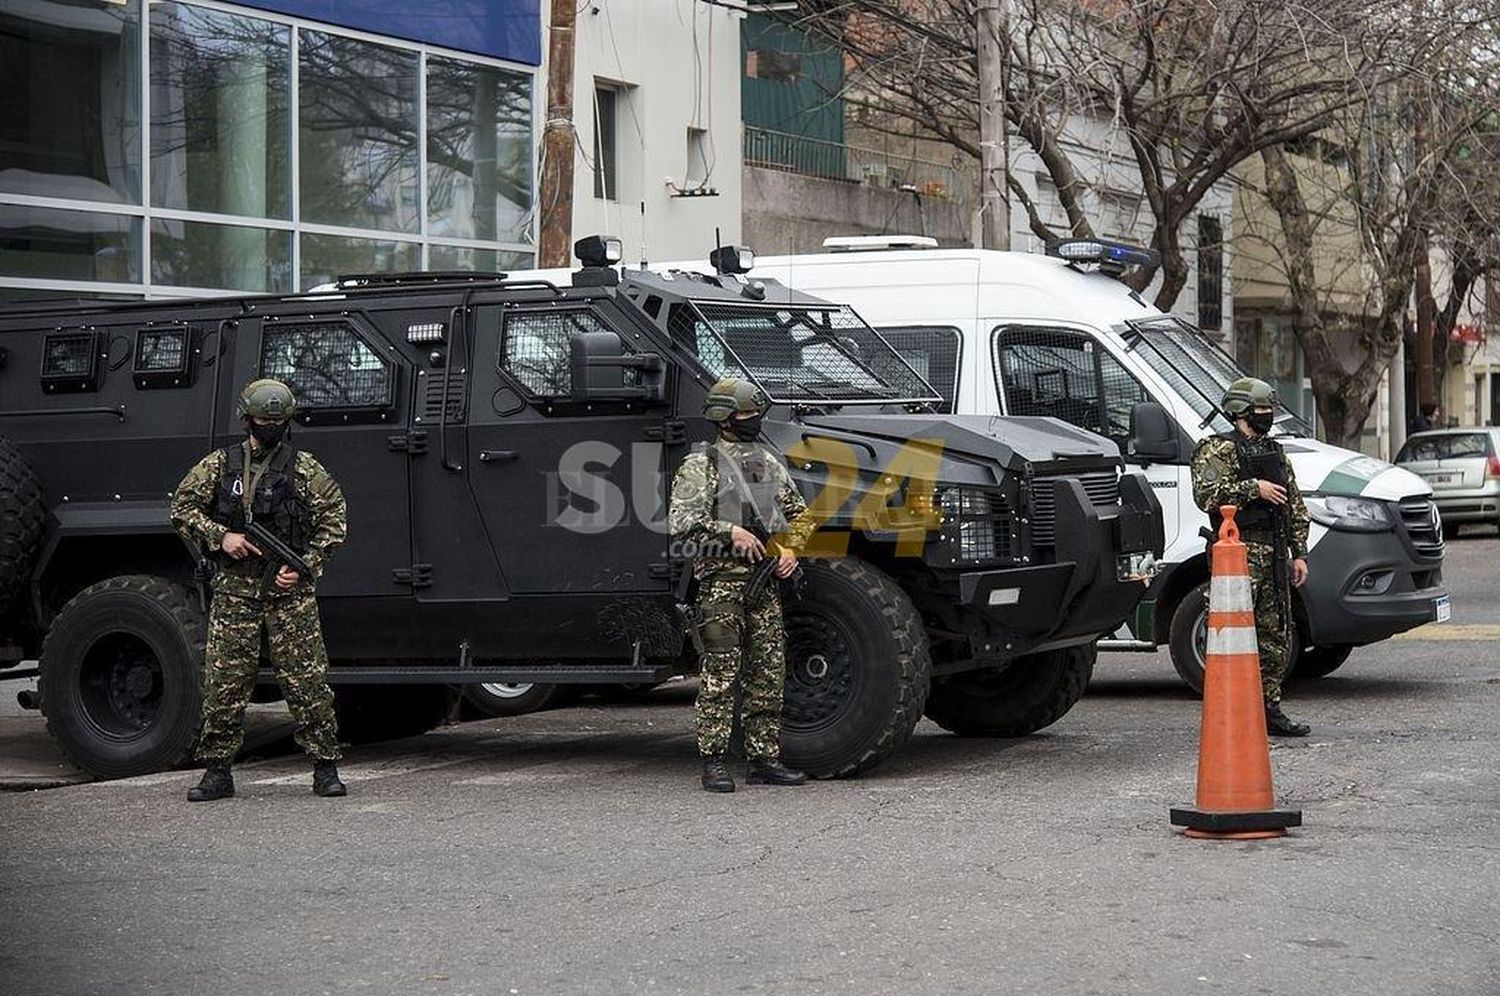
29, 759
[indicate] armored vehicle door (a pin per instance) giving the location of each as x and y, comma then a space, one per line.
347, 378
573, 493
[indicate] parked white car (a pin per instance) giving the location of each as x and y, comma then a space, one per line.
1463, 468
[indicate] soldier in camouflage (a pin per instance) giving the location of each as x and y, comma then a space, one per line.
724, 493
267, 480
1248, 469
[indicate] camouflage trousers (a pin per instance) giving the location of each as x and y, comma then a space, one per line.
748, 643
1271, 603
295, 637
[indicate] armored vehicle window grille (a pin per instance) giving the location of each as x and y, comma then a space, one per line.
326, 364
1102, 487
71, 361
809, 354
535, 349
686, 327
977, 524
932, 351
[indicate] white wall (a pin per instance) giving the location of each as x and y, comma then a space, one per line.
676, 63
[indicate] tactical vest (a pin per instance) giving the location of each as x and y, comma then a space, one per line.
276, 504
1264, 463
754, 489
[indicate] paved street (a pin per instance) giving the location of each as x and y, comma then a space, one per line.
571, 852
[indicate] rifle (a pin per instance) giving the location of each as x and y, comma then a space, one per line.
765, 571
276, 553
688, 616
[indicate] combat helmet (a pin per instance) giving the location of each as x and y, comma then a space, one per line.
732, 396
1247, 393
266, 398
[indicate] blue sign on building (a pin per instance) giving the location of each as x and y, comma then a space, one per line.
501, 29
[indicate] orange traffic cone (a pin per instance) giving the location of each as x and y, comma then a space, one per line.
1235, 798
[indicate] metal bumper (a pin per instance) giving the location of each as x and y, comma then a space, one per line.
1080, 595
1364, 587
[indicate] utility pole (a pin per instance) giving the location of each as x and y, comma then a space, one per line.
992, 41
556, 194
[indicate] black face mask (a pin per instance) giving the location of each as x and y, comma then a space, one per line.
1260, 422
744, 429
270, 434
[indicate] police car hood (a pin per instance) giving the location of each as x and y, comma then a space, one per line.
1322, 468
1009, 441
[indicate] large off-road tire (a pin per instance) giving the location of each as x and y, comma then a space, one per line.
857, 669
1189, 638
121, 678
1031, 694
388, 712
508, 698
1319, 662
22, 515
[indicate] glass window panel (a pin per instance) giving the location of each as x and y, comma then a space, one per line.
232, 257
70, 119
357, 133
325, 257
220, 122
478, 151
477, 260
326, 364
605, 101
69, 245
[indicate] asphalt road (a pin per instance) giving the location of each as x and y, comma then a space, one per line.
571, 852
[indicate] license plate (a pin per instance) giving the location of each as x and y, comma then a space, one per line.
1441, 479
1442, 608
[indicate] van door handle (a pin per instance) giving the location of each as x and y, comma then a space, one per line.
496, 456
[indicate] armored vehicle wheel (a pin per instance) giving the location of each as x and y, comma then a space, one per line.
121, 678
509, 698
1319, 662
1189, 638
1031, 694
857, 669
387, 712
21, 518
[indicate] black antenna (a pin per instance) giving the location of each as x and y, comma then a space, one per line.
718, 242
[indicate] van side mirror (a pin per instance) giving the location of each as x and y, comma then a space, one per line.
603, 371
1153, 436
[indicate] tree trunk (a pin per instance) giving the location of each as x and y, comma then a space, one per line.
555, 196
1426, 322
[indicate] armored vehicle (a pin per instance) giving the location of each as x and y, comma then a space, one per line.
506, 446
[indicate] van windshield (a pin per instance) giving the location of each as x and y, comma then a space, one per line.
800, 354
1199, 370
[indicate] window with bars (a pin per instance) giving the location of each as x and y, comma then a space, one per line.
535, 349
326, 364
1066, 375
932, 351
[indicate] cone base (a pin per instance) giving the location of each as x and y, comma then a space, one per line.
1243, 835
1205, 823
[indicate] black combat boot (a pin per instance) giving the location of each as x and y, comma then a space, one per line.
770, 771
715, 776
1279, 724
217, 783
326, 779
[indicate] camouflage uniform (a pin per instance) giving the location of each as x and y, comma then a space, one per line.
707, 499
242, 608
1216, 482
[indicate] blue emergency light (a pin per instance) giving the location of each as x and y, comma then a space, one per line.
1111, 257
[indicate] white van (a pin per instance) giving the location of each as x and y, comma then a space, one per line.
1007, 333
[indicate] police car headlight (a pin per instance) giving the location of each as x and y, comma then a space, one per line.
1359, 515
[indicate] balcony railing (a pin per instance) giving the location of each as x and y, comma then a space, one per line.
851, 164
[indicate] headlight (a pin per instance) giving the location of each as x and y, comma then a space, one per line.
969, 521
1360, 515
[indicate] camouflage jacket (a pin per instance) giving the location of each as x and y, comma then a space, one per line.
193, 503
708, 496
1216, 482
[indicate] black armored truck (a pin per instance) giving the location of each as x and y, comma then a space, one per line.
506, 446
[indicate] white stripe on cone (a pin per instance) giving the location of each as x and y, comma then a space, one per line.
1230, 594
1232, 640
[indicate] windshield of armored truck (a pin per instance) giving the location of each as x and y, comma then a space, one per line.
803, 354
1201, 372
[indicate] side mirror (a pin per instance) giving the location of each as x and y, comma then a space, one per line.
603, 371
1153, 436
